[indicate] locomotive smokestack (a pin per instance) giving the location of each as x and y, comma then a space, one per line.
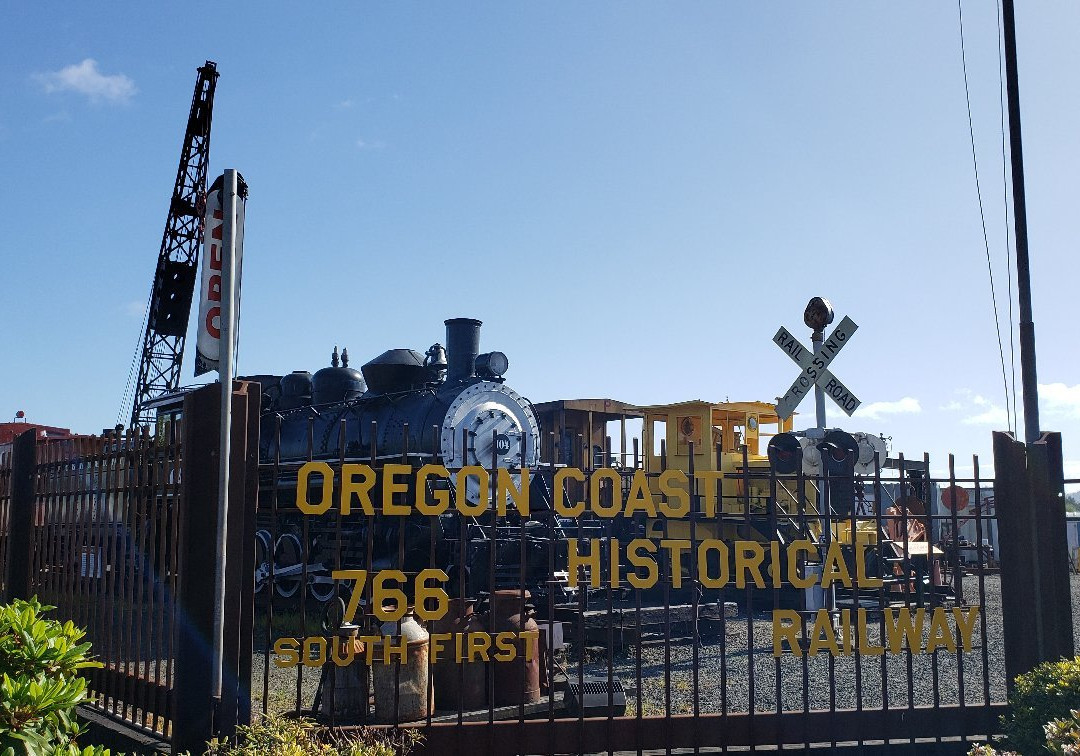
462, 347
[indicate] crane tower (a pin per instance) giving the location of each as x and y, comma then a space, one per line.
178, 260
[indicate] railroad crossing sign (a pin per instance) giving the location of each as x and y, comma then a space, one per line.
815, 369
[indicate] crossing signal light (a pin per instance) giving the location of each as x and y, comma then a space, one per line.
839, 453
785, 454
839, 449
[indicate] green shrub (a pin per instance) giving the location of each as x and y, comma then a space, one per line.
40, 686
986, 749
274, 735
1047, 693
1063, 735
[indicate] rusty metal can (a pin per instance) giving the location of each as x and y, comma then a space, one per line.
518, 680
459, 682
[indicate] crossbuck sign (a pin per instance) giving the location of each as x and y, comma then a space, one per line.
815, 369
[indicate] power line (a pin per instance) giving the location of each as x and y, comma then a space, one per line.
982, 213
125, 406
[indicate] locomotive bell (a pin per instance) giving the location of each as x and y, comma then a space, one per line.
435, 361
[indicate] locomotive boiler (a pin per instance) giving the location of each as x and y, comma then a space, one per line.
415, 404
449, 406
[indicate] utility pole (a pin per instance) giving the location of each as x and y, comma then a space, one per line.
1032, 432
1029, 485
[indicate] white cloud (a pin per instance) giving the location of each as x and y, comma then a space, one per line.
877, 410
979, 409
1059, 399
363, 144
992, 415
135, 308
85, 79
1056, 400
345, 104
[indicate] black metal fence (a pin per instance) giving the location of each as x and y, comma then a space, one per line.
634, 604
120, 535
103, 520
5, 515
654, 630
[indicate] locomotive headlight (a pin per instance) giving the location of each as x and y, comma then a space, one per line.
492, 365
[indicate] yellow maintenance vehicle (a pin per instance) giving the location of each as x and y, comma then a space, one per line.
705, 440
717, 433
750, 458
738, 458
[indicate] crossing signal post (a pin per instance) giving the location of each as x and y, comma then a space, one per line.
839, 452
818, 314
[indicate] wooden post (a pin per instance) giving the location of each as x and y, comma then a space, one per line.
20, 539
1036, 605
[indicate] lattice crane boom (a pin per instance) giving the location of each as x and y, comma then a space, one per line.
178, 260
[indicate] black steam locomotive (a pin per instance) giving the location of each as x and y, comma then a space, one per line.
403, 395
449, 406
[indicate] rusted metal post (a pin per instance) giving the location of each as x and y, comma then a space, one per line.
250, 502
20, 544
239, 606
1037, 609
193, 722
1046, 473
199, 716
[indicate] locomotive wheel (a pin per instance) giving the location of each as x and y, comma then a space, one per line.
320, 587
262, 561
288, 565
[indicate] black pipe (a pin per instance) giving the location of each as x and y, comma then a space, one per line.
462, 348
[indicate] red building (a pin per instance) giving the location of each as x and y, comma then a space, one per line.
8, 431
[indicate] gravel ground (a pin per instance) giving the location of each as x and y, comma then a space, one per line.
282, 688
856, 679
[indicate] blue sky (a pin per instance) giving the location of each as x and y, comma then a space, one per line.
633, 196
